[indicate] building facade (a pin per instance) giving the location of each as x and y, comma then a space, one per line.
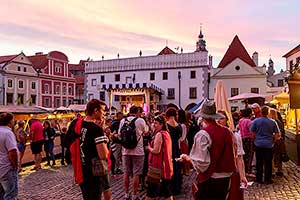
78, 72
239, 73
19, 81
292, 58
57, 84
150, 81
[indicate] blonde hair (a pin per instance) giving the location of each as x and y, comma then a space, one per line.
273, 114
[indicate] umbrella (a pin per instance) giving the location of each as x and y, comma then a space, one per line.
222, 102
197, 107
246, 96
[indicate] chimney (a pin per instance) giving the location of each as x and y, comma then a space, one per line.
255, 58
38, 53
210, 61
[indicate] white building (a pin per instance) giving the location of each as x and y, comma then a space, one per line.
292, 57
19, 84
239, 73
150, 81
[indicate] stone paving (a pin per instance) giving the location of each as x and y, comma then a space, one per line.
57, 183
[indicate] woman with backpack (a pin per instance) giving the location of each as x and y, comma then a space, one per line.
49, 135
160, 158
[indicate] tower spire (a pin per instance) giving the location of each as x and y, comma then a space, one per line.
201, 43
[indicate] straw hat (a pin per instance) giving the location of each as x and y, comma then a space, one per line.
209, 111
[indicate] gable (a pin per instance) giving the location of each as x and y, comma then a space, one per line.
236, 50
20, 62
239, 67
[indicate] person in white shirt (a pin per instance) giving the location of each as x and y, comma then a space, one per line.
133, 159
8, 158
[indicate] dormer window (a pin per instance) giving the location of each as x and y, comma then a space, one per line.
58, 67
237, 68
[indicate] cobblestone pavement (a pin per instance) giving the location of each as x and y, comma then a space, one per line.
57, 183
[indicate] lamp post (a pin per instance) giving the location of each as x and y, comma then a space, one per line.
179, 85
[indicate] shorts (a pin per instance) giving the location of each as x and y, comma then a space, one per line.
93, 186
21, 147
36, 147
159, 190
133, 165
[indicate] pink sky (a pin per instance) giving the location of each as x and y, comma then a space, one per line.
93, 28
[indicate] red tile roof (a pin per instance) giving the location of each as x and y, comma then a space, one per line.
76, 67
236, 50
166, 51
291, 52
38, 61
7, 58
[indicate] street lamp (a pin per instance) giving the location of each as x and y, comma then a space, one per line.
179, 84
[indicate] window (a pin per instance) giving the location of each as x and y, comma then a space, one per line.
65, 90
9, 83
90, 96
117, 98
94, 82
298, 60
165, 75
47, 102
46, 88
234, 91
171, 93
33, 85
19, 68
291, 65
102, 78
57, 90
58, 67
70, 90
57, 103
21, 84
25, 69
193, 93
102, 95
117, 77
20, 99
9, 97
280, 82
255, 90
33, 99
193, 74
152, 76
64, 102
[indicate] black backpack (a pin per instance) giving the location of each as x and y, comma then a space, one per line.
128, 134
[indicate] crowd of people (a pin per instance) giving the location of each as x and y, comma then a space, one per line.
152, 152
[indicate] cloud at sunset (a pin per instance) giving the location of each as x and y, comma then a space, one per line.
94, 28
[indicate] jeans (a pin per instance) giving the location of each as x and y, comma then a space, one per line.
9, 184
264, 161
48, 147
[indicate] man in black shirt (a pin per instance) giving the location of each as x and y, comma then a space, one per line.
93, 146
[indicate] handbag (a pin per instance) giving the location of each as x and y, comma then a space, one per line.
99, 167
154, 174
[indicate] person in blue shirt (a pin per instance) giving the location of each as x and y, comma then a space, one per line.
266, 131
